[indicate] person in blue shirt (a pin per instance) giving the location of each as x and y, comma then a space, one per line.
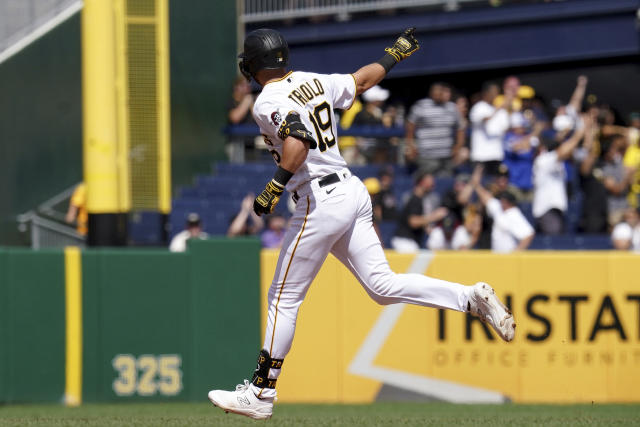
520, 149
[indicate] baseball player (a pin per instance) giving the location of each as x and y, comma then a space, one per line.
295, 113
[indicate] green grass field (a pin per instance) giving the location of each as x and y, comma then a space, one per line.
380, 414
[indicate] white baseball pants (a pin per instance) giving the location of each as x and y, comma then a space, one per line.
338, 219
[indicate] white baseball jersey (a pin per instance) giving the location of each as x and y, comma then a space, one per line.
314, 97
335, 218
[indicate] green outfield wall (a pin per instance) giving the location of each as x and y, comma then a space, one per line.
107, 325
32, 325
154, 325
41, 106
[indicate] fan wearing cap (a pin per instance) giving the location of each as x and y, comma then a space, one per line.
193, 231
510, 231
519, 152
567, 117
626, 234
372, 150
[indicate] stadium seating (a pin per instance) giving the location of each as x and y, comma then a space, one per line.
217, 198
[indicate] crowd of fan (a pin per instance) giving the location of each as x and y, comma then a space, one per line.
508, 149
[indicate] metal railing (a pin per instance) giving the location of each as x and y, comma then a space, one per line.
46, 224
269, 10
46, 233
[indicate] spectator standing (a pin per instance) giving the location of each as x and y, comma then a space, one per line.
594, 213
626, 235
373, 150
273, 235
385, 204
457, 198
434, 132
567, 117
549, 190
192, 231
511, 84
240, 223
510, 231
78, 209
632, 158
488, 127
519, 149
617, 178
239, 113
414, 218
462, 104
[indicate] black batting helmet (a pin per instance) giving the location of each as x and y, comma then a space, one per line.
263, 49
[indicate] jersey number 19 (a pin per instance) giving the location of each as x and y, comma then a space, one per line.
323, 126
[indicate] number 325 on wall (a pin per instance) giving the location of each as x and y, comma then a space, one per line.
147, 375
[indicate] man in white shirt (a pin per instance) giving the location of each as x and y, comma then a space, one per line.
511, 231
549, 188
626, 235
193, 231
488, 127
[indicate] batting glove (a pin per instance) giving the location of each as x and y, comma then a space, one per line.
268, 199
404, 46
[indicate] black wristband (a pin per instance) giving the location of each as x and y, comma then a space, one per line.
387, 62
282, 176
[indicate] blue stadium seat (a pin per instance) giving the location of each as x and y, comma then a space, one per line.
146, 229
387, 230
572, 242
217, 199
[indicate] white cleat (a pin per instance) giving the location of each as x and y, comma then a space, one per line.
242, 401
484, 304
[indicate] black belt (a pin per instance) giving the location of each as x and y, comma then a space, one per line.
332, 178
328, 180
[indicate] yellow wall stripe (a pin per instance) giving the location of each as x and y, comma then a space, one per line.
73, 300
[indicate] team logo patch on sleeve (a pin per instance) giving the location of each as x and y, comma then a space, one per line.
276, 118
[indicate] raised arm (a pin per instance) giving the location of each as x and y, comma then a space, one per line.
465, 195
476, 183
483, 194
588, 144
409, 132
566, 148
372, 74
578, 94
238, 113
237, 225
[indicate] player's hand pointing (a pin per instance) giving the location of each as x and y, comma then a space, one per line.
404, 46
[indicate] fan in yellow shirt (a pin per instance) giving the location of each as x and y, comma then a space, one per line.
78, 209
632, 160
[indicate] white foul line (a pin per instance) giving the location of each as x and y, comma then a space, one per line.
363, 362
41, 30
